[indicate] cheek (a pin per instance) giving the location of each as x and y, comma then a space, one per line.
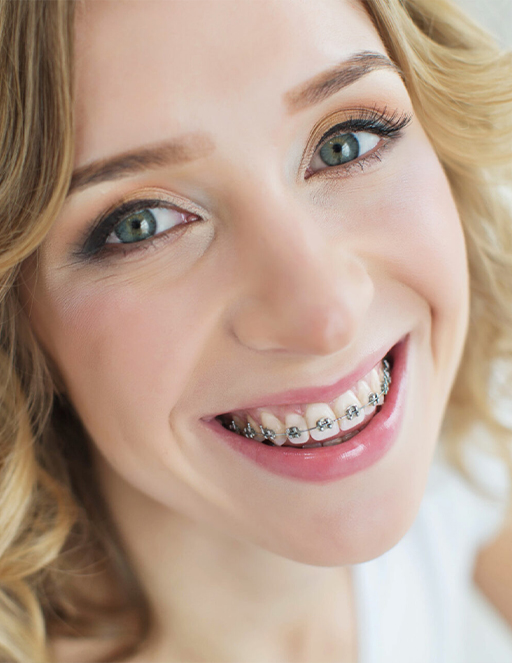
424, 231
426, 249
403, 222
126, 354
415, 237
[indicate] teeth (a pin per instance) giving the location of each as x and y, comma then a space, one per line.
320, 417
237, 424
386, 379
363, 394
318, 421
249, 431
375, 383
296, 421
258, 435
272, 423
348, 404
332, 443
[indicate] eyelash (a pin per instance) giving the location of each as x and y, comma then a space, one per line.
381, 123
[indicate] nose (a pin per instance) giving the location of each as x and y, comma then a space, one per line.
302, 292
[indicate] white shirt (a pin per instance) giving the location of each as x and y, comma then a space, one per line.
413, 603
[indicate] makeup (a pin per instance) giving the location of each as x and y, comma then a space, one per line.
325, 464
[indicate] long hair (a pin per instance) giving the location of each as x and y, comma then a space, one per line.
55, 532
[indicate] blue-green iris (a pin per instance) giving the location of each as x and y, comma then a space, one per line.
136, 227
340, 149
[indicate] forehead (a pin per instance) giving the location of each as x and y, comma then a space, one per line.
152, 69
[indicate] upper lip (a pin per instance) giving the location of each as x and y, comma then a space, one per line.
322, 394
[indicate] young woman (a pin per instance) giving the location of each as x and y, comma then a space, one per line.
256, 272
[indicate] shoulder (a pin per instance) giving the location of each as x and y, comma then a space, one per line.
493, 571
78, 650
489, 526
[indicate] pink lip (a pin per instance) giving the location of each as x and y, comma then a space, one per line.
325, 464
314, 394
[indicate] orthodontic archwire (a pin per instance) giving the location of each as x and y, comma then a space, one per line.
322, 424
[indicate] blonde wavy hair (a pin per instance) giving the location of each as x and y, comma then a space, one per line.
54, 528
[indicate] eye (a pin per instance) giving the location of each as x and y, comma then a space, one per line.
357, 140
144, 224
135, 224
343, 148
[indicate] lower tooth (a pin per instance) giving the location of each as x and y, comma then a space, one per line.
351, 435
331, 443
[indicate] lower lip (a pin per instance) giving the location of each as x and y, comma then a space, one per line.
325, 464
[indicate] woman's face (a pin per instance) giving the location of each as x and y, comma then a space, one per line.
266, 263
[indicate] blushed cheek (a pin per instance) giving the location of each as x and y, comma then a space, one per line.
125, 356
422, 243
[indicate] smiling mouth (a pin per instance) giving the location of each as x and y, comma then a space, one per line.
314, 425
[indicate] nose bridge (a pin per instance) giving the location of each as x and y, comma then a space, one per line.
301, 290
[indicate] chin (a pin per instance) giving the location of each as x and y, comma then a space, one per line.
371, 521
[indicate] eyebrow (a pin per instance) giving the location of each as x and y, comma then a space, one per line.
169, 153
329, 82
196, 145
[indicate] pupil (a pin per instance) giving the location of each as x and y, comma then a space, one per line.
340, 149
137, 227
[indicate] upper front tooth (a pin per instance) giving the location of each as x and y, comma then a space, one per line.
342, 404
376, 384
363, 394
294, 420
321, 414
268, 420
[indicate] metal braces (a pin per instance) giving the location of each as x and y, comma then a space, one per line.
322, 424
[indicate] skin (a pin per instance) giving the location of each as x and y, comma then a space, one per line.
288, 282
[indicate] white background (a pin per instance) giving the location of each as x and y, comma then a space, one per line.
496, 15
